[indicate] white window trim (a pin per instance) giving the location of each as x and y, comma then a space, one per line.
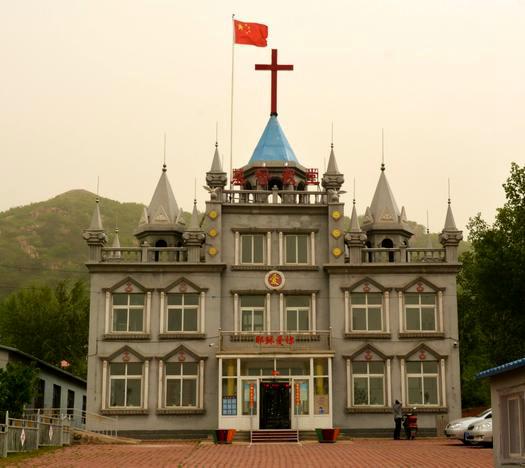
106, 389
366, 307
237, 248
200, 313
264, 248
110, 309
269, 248
253, 309
312, 248
310, 315
347, 308
308, 250
422, 375
198, 387
420, 307
384, 376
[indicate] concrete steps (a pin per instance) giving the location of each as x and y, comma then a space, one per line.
274, 436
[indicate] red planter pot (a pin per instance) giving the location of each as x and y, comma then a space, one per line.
223, 436
327, 436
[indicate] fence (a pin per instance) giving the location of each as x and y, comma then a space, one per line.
33, 431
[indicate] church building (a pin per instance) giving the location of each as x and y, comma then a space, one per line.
269, 311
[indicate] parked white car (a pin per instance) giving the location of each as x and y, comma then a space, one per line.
479, 433
456, 429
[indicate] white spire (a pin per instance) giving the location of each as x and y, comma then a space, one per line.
163, 208
96, 219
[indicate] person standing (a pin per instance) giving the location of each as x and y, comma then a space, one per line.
398, 416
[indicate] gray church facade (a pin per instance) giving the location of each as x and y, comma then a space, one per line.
267, 312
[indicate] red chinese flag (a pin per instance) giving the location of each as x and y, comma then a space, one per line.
250, 33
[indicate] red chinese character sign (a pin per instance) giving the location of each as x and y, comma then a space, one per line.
263, 176
238, 177
270, 340
288, 176
252, 395
312, 177
274, 280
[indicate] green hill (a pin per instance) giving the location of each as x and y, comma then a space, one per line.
42, 242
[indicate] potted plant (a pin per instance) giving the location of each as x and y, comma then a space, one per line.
327, 436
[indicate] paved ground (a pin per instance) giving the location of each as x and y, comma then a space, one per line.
369, 453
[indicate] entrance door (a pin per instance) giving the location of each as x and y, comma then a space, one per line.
275, 405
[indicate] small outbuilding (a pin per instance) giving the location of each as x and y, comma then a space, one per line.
507, 393
57, 388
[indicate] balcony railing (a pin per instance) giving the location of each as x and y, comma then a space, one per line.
274, 197
144, 254
403, 255
275, 341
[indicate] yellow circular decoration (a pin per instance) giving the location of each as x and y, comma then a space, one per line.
336, 233
336, 214
213, 214
336, 251
212, 251
213, 232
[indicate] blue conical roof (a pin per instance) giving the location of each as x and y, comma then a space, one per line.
273, 145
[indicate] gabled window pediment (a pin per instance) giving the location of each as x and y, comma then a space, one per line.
126, 354
183, 354
420, 285
365, 285
183, 285
127, 286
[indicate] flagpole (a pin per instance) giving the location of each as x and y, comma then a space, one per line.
231, 103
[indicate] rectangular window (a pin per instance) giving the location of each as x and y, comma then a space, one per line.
420, 312
514, 429
252, 313
128, 312
57, 396
229, 387
252, 248
321, 386
41, 394
70, 402
368, 383
296, 248
183, 312
125, 384
298, 313
246, 390
422, 382
367, 312
182, 383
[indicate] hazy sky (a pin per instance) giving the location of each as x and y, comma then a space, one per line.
89, 87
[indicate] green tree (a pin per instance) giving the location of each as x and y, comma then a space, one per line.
492, 284
17, 387
49, 323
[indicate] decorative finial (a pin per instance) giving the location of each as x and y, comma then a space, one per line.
97, 200
353, 201
164, 167
449, 190
332, 140
382, 149
428, 226
195, 191
216, 134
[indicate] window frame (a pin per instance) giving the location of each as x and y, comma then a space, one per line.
128, 307
420, 307
252, 249
124, 377
285, 248
421, 376
252, 310
181, 378
366, 306
297, 310
182, 307
368, 375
